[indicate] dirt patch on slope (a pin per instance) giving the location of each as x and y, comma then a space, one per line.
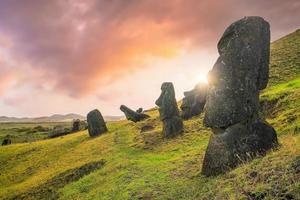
49, 189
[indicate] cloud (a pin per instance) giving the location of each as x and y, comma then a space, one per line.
5, 79
73, 44
78, 47
6, 76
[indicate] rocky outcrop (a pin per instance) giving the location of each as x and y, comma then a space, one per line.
76, 125
194, 101
59, 131
140, 110
79, 125
232, 107
96, 123
132, 115
6, 141
168, 110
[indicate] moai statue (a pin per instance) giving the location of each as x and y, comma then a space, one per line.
96, 123
232, 103
168, 110
76, 125
132, 115
194, 101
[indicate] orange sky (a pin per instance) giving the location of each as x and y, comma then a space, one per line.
72, 56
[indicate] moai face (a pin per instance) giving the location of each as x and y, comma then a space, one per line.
239, 73
166, 102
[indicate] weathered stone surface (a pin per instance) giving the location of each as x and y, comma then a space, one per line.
76, 125
79, 125
96, 123
239, 73
132, 115
236, 144
232, 102
59, 131
194, 101
172, 127
140, 110
6, 141
83, 125
168, 110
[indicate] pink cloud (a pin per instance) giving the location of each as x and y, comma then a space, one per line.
6, 77
80, 46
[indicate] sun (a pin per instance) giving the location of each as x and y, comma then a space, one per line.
202, 78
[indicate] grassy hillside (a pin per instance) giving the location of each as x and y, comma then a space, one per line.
126, 163
28, 131
285, 58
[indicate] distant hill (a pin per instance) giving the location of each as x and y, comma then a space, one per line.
53, 118
113, 118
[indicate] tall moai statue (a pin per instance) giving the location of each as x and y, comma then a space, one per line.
232, 104
168, 110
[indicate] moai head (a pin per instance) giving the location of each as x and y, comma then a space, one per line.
167, 102
96, 123
76, 125
240, 72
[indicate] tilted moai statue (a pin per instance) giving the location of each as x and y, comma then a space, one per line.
140, 110
132, 115
232, 104
168, 110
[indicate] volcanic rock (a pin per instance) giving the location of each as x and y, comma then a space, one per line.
232, 106
132, 115
6, 141
96, 123
140, 110
194, 101
76, 125
168, 110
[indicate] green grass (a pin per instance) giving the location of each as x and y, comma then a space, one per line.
285, 110
284, 59
146, 166
142, 165
28, 132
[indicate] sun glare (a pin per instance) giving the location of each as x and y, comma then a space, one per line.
202, 78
